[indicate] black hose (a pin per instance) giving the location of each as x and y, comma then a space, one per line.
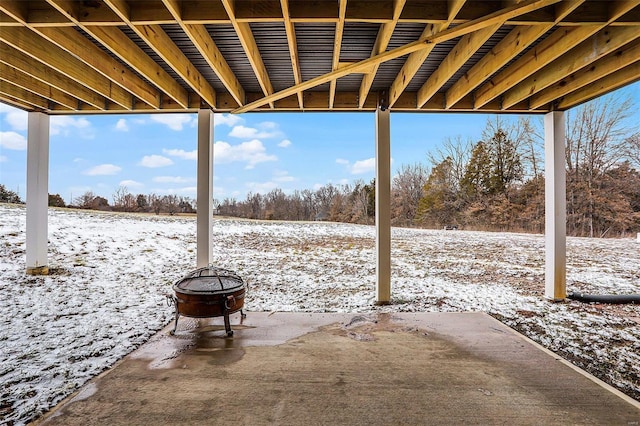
608, 298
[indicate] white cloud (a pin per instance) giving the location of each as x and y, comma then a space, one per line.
181, 153
171, 179
175, 121
16, 118
122, 125
267, 130
3, 158
13, 140
62, 124
153, 161
261, 187
282, 176
252, 153
363, 166
342, 161
187, 190
131, 184
243, 132
285, 143
226, 119
103, 169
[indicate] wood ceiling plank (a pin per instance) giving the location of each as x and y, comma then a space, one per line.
613, 62
248, 42
589, 51
155, 37
18, 60
627, 75
382, 41
48, 53
464, 49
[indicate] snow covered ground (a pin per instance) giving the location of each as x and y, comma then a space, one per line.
109, 274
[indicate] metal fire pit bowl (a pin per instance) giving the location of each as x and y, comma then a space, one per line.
208, 292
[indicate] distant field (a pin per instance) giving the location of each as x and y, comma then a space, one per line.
110, 273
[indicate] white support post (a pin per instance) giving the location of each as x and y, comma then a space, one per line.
204, 236
383, 207
37, 192
555, 207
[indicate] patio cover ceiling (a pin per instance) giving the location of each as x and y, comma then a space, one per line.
118, 56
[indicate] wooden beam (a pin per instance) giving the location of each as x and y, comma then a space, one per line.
625, 76
10, 91
161, 43
552, 47
243, 30
414, 46
124, 48
465, 48
416, 59
293, 47
46, 52
73, 42
508, 48
201, 39
613, 62
20, 61
601, 44
382, 41
337, 46
35, 86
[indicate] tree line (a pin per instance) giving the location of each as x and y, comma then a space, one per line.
496, 183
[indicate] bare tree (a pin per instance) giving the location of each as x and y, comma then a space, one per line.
458, 151
406, 192
595, 138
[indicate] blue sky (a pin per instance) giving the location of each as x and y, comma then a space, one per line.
253, 152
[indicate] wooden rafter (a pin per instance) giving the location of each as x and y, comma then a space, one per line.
248, 42
465, 48
30, 83
159, 41
122, 46
560, 41
11, 92
408, 48
382, 41
508, 48
80, 47
610, 64
201, 39
416, 59
337, 46
611, 82
48, 53
589, 51
20, 61
293, 48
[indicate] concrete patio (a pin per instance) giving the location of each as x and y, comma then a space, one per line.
307, 369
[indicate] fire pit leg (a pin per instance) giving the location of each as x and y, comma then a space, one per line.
227, 325
242, 314
175, 326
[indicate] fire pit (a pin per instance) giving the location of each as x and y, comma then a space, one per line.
208, 292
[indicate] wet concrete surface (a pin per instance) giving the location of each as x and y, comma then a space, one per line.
327, 369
